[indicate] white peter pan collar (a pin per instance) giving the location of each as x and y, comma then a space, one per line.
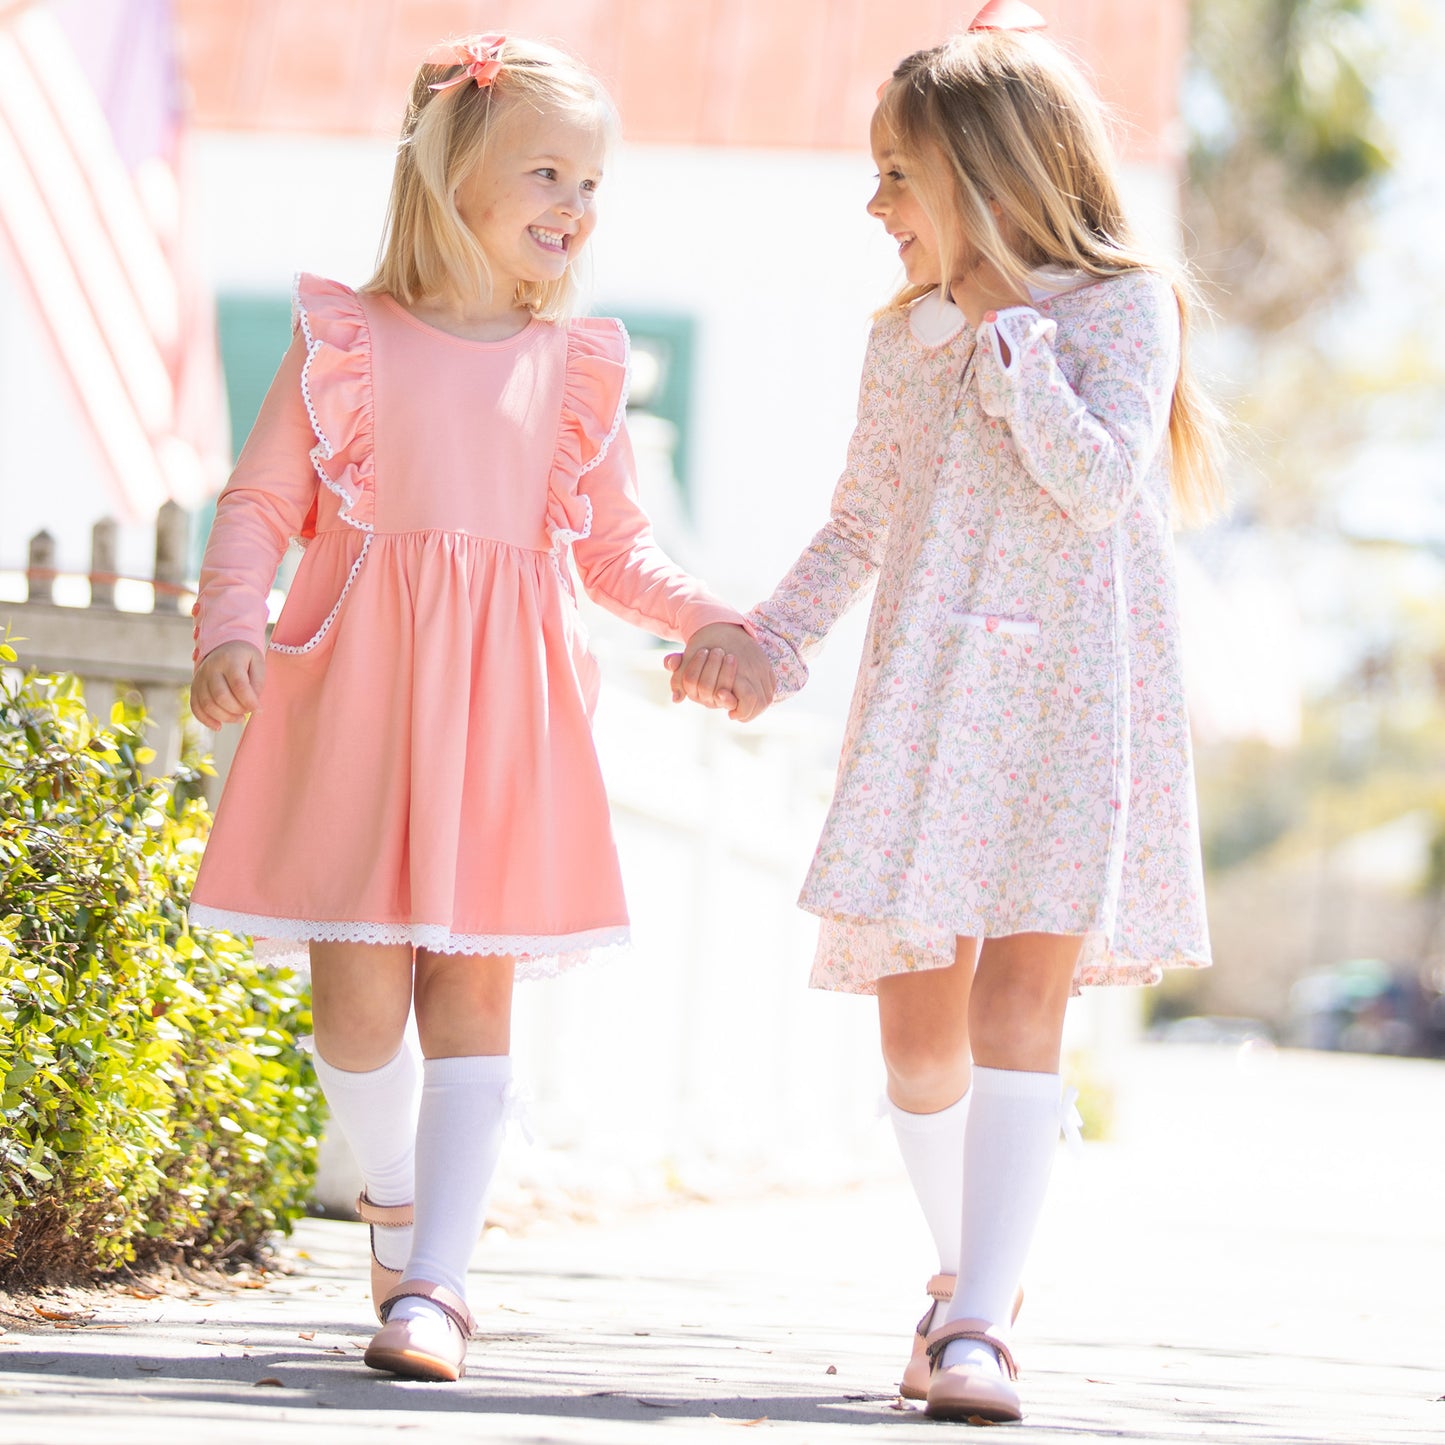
935, 321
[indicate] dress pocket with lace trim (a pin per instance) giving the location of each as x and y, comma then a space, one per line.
314, 602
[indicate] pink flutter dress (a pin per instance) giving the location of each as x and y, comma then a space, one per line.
421, 768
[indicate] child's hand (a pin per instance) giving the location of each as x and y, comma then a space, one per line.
227, 684
723, 667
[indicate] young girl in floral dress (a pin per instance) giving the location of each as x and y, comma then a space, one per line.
1015, 812
416, 795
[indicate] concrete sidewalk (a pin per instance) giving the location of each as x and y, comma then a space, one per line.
1259, 1255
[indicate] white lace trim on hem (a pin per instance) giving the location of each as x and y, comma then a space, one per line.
435, 937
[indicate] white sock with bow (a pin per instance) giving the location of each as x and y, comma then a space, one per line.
376, 1111
1012, 1135
464, 1105
932, 1149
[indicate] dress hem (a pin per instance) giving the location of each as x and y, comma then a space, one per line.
1102, 961
537, 955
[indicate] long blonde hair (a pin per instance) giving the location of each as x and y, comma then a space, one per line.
1020, 129
426, 248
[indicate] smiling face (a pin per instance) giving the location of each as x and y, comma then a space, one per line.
531, 205
896, 204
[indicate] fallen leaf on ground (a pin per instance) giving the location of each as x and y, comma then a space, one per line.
149, 1369
58, 1315
142, 1293
831, 1370
272, 1381
979, 1420
306, 1335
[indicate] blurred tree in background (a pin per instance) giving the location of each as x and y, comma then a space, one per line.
1310, 206
1286, 149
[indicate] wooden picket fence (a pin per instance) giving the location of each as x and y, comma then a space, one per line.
117, 651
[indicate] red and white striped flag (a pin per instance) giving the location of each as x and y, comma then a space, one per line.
91, 145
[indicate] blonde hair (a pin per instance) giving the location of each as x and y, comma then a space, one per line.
1018, 128
426, 249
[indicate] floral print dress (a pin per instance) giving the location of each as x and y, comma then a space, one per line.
1017, 756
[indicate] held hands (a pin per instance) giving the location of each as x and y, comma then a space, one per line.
722, 667
227, 684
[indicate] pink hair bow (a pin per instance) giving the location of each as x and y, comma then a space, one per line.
482, 58
1000, 15
1007, 15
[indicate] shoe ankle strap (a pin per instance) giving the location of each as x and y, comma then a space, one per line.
942, 1286
979, 1330
450, 1304
388, 1216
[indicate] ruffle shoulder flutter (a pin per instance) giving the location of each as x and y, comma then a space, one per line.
336, 387
594, 401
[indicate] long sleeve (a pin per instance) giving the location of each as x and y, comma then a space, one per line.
834, 569
1089, 444
263, 506
620, 563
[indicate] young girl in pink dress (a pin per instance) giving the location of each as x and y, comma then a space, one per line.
416, 794
1015, 811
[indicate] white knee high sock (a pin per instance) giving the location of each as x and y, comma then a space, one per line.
458, 1141
932, 1150
376, 1111
1013, 1132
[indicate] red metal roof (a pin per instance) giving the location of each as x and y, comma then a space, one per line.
690, 72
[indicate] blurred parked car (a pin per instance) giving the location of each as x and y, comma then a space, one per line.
1368, 1006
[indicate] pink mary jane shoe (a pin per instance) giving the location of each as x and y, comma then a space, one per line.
382, 1216
959, 1392
915, 1373
429, 1348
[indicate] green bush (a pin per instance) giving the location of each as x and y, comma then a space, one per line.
155, 1101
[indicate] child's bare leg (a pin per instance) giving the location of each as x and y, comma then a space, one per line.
463, 1004
1016, 1018
923, 1026
463, 1012
1020, 991
360, 997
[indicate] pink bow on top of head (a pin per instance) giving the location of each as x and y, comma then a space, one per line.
1007, 15
999, 15
482, 58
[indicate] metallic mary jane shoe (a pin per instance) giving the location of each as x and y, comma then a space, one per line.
915, 1373
958, 1392
430, 1348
